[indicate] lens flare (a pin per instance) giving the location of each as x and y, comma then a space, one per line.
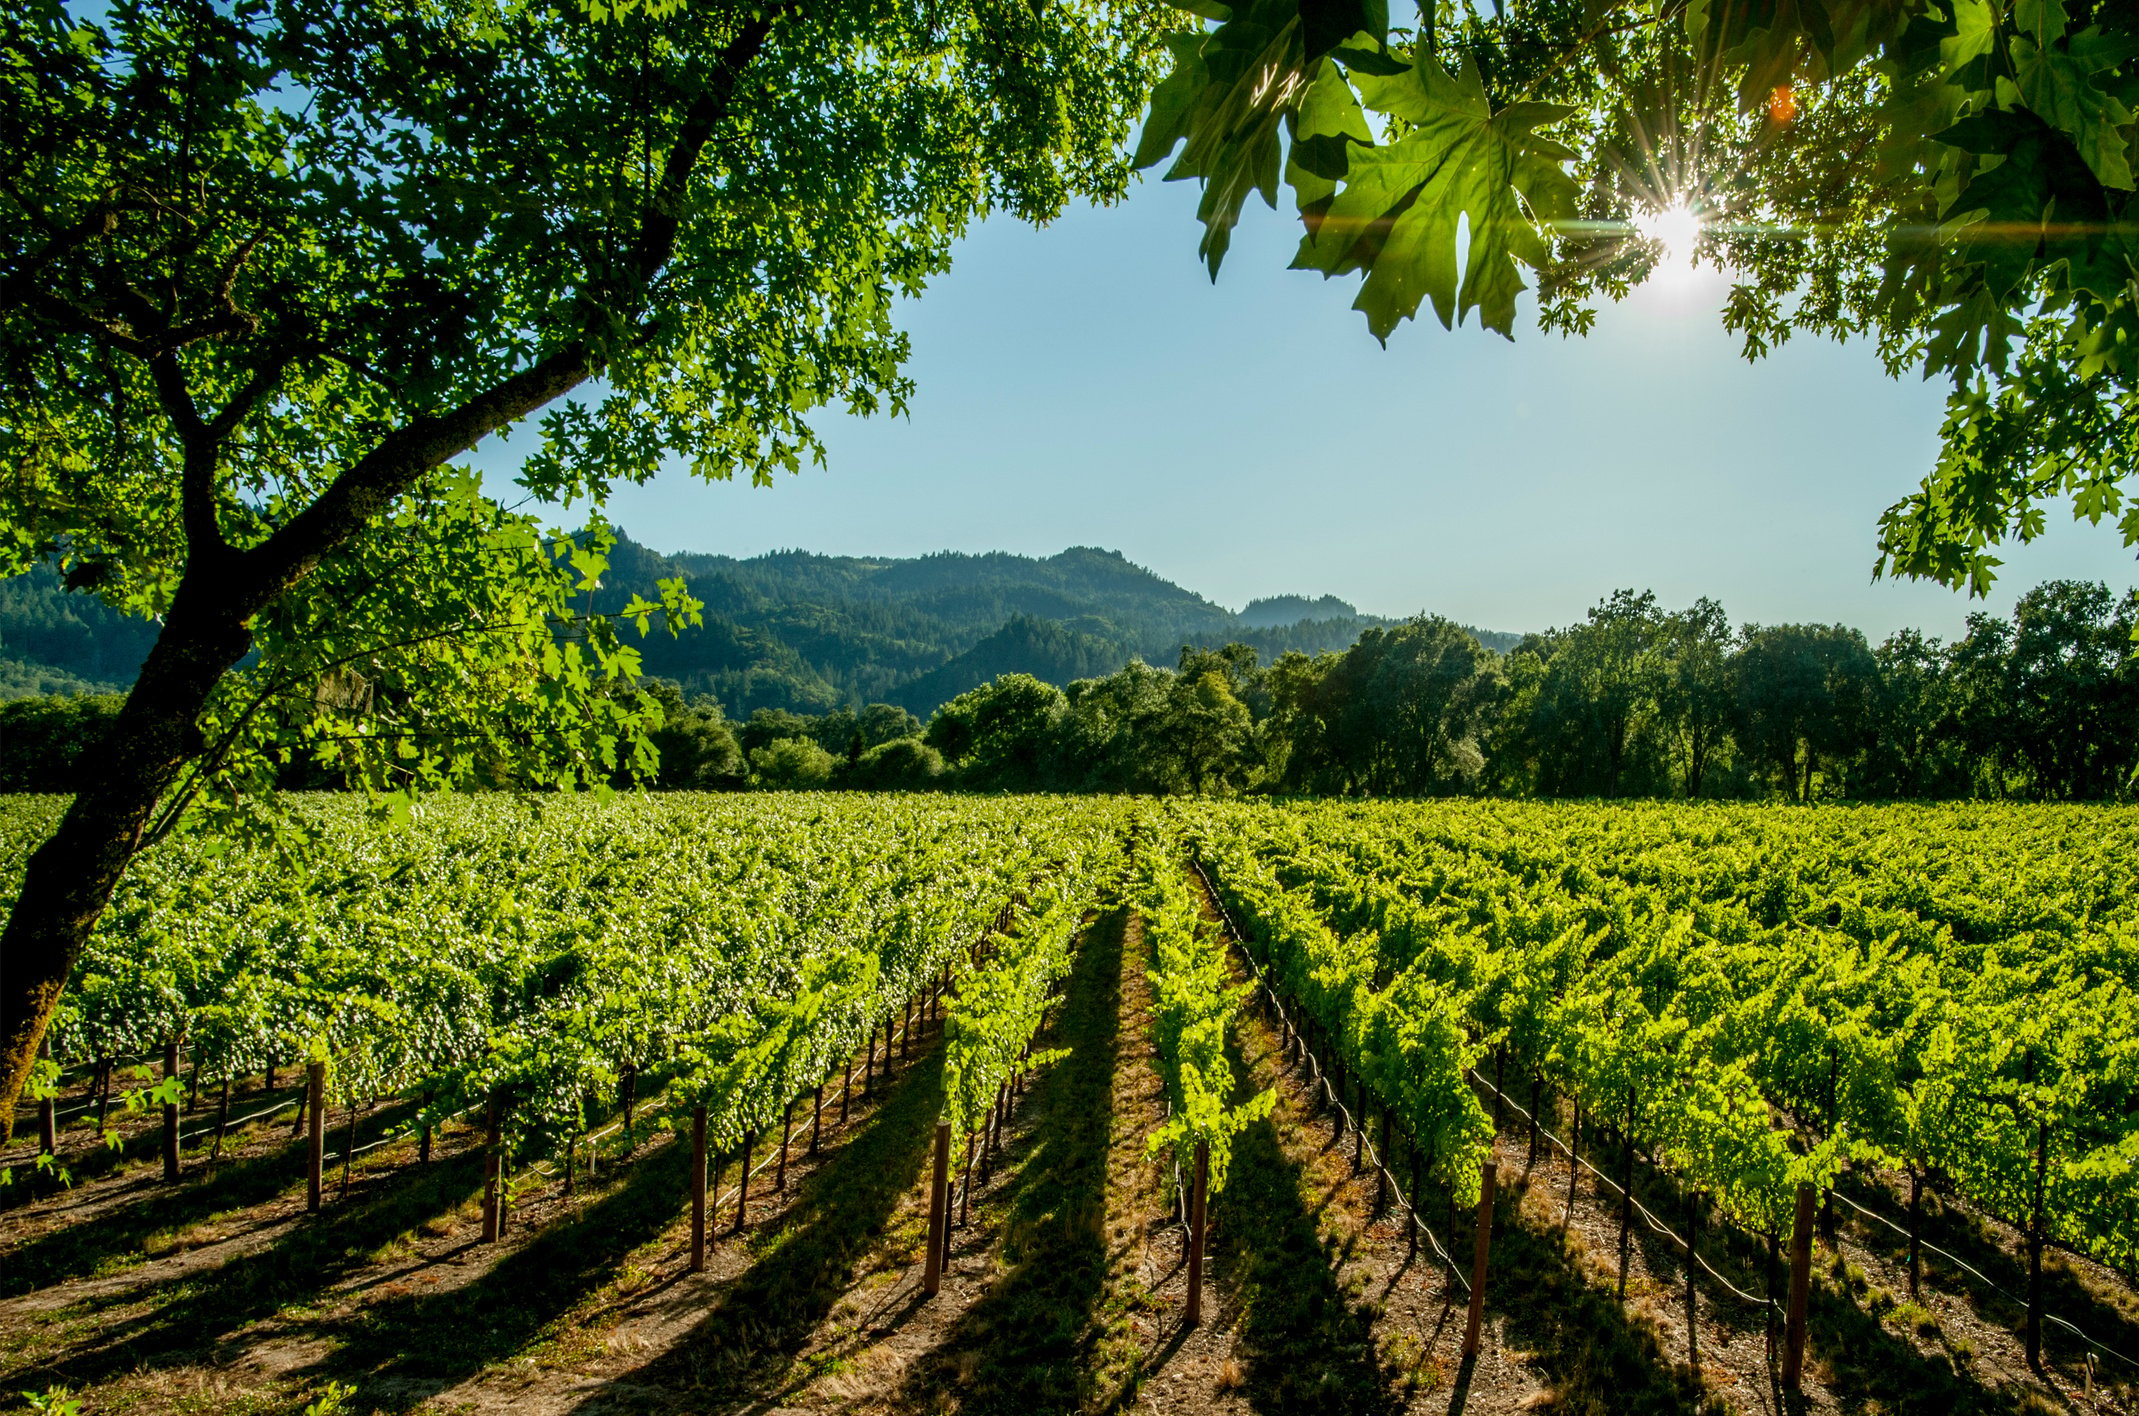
1676, 228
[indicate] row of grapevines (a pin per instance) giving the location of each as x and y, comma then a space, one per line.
1193, 1004
539, 949
2003, 1064
1001, 1002
1402, 1035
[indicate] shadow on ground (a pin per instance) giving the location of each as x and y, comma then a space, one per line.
806, 1260
1030, 1345
1867, 1367
195, 1319
1307, 1342
122, 1230
408, 1348
1600, 1361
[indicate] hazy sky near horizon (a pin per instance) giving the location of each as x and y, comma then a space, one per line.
1086, 384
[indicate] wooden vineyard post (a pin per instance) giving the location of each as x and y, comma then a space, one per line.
816, 1116
1693, 1340
965, 1184
1916, 1230
1626, 1206
314, 1107
1793, 1358
742, 1185
1486, 1176
1359, 1131
1411, 1207
988, 1136
846, 1089
222, 1123
1198, 1199
1537, 1085
787, 1125
1574, 1165
493, 1173
47, 1114
170, 1113
939, 1204
1381, 1167
698, 1190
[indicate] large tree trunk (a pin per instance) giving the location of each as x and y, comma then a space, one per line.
71, 876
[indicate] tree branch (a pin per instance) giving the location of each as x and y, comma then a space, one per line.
263, 381
201, 447
369, 485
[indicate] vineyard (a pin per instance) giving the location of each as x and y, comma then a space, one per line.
1012, 1103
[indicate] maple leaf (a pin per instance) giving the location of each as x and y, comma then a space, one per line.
2058, 83
1460, 169
1229, 92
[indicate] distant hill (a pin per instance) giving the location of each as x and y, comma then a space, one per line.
808, 632
54, 641
1046, 649
1291, 609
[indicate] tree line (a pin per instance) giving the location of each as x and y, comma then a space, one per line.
1635, 700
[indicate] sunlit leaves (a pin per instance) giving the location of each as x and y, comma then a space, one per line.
2057, 83
1009, 984
1230, 92
1939, 176
1763, 1000
735, 950
301, 232
1461, 169
1194, 1001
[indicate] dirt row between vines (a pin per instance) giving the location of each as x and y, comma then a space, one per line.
1063, 1294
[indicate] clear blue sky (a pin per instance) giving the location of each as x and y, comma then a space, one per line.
1086, 384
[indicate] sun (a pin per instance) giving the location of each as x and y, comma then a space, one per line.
1677, 228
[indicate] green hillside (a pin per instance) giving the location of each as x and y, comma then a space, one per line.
805, 632
810, 632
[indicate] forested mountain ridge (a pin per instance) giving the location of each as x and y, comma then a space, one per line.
806, 632
56, 641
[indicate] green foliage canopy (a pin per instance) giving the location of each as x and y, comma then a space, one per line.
1951, 181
